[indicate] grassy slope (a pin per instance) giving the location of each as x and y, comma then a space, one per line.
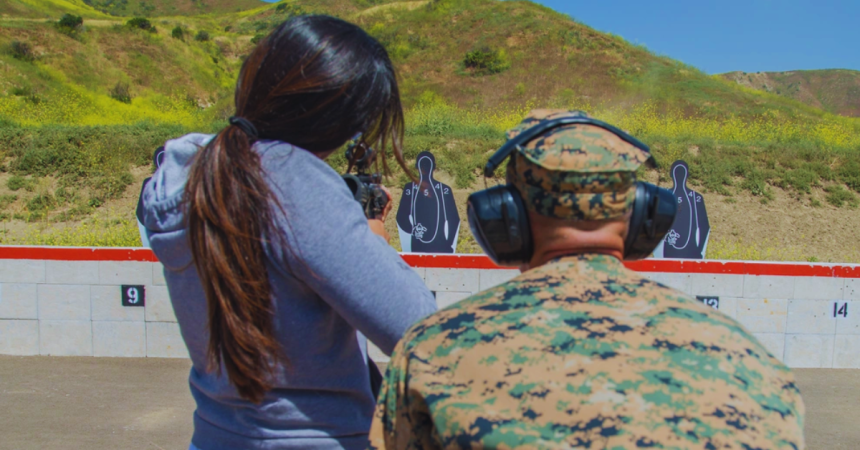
40, 9
72, 145
738, 141
556, 61
552, 58
834, 90
103, 56
157, 8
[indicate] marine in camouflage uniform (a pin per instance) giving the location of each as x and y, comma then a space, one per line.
582, 352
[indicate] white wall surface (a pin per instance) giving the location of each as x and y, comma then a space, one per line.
73, 308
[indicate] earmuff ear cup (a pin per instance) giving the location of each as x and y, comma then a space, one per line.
654, 211
500, 224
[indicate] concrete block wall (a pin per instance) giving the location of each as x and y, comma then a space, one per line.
806, 315
73, 308
792, 316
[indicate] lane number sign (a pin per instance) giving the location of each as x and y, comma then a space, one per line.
840, 309
133, 295
713, 302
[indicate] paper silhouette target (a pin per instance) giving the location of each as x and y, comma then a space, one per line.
427, 218
688, 237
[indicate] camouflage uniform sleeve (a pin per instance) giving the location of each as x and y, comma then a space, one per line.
401, 421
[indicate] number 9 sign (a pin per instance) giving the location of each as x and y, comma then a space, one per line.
133, 295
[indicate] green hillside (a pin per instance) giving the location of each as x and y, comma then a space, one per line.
158, 8
81, 109
834, 90
29, 9
142, 8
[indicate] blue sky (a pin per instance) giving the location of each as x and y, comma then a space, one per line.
722, 36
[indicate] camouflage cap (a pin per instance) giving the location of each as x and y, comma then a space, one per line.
580, 172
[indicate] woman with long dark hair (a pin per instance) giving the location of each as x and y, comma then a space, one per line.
273, 270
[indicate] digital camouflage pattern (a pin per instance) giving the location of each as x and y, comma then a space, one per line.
579, 172
583, 353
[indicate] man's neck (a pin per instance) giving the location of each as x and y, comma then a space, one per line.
554, 238
570, 241
548, 256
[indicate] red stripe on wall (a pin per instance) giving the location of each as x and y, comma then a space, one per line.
746, 268
78, 253
449, 261
470, 262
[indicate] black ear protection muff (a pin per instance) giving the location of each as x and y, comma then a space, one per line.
654, 212
499, 221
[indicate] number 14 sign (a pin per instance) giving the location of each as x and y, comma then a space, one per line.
840, 309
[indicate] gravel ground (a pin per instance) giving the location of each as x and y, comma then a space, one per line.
49, 403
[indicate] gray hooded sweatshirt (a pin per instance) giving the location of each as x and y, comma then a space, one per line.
336, 283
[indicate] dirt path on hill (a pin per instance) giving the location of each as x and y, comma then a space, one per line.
396, 5
87, 22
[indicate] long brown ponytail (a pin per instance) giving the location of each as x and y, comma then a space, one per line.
315, 82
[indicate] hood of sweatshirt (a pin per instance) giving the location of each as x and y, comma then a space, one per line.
163, 216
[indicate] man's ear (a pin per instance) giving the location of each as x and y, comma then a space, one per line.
627, 217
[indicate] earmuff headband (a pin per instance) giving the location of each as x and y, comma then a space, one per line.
506, 150
498, 217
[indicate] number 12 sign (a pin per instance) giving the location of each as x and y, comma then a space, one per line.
133, 295
713, 302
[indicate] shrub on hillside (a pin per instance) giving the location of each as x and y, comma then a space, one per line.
257, 38
290, 9
370, 3
6, 200
23, 91
178, 32
22, 50
64, 195
71, 21
849, 174
27, 93
520, 89
201, 36
141, 23
192, 101
756, 183
838, 196
801, 179
120, 92
16, 182
41, 203
70, 24
112, 185
486, 61
91, 162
